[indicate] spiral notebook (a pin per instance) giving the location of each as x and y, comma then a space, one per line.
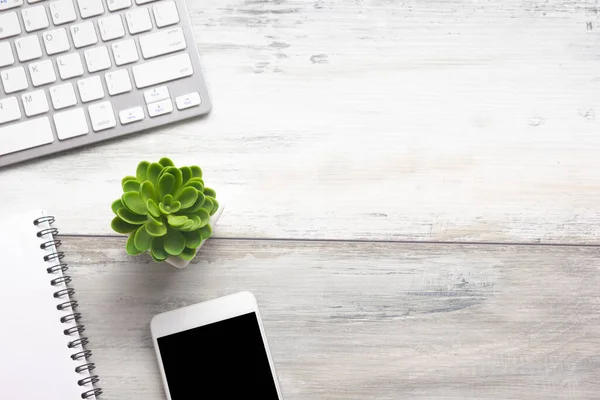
42, 352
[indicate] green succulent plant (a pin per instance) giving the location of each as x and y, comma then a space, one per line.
164, 209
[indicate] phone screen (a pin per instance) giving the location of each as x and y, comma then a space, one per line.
223, 360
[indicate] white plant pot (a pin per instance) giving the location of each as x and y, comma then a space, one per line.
181, 263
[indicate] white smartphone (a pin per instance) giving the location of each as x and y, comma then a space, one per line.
217, 349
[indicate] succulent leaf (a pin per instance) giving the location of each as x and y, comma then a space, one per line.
196, 171
127, 178
174, 242
153, 209
159, 220
176, 172
130, 246
192, 239
141, 172
131, 218
133, 202
204, 217
156, 229
188, 254
187, 197
162, 173
166, 183
191, 224
195, 184
142, 240
186, 227
215, 206
168, 205
158, 260
147, 191
177, 221
198, 204
206, 231
153, 173
163, 208
158, 249
120, 226
208, 204
166, 162
197, 222
175, 206
186, 173
116, 205
168, 199
210, 192
131, 185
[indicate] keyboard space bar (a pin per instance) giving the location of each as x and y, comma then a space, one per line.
163, 70
25, 135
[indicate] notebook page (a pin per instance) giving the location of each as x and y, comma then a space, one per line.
35, 362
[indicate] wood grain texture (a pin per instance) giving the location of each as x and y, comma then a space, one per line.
364, 320
387, 120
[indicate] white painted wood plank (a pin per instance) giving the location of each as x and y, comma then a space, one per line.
440, 120
364, 321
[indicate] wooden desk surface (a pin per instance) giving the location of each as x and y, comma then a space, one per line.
412, 194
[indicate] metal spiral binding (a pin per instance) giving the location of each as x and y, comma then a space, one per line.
55, 242
72, 304
79, 344
62, 266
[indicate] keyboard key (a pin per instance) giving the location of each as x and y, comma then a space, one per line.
97, 59
162, 70
62, 12
90, 89
156, 94
102, 116
90, 8
6, 54
143, 1
138, 20
35, 103
9, 110
9, 25
188, 100
165, 13
125, 52
118, 82
160, 108
84, 34
111, 27
14, 80
131, 115
56, 41
25, 135
28, 48
42, 73
71, 123
63, 96
69, 66
162, 42
8, 4
35, 18
115, 5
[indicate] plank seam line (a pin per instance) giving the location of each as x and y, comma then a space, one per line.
366, 241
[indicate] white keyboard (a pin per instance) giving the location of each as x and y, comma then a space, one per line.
75, 72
